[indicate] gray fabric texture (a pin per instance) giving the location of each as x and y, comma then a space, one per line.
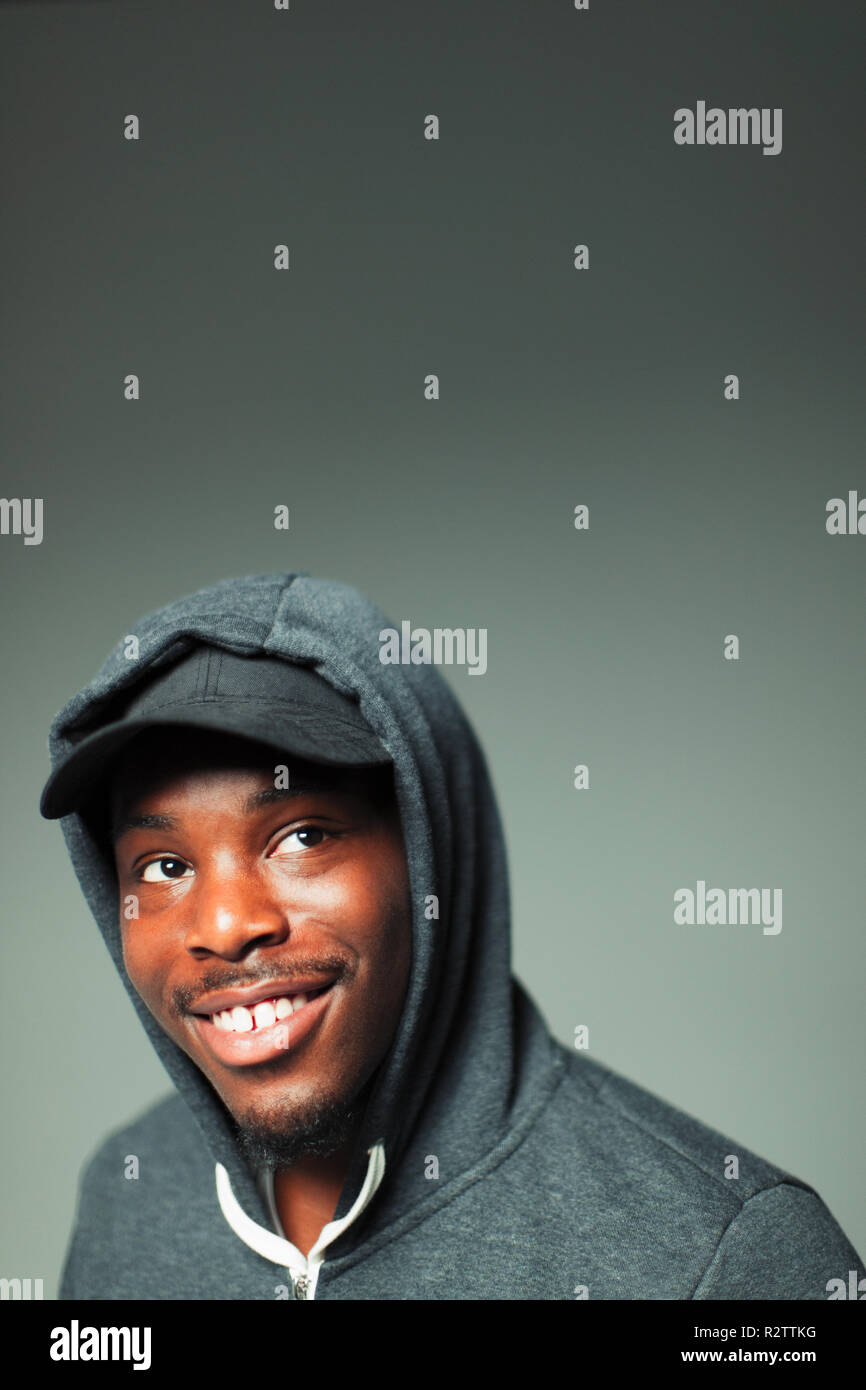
557, 1178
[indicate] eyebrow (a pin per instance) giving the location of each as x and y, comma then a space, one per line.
257, 801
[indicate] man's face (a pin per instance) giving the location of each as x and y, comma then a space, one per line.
251, 899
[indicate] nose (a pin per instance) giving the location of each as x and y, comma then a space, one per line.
233, 915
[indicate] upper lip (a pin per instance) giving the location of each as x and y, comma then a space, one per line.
246, 998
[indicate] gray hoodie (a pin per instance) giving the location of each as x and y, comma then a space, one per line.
492, 1161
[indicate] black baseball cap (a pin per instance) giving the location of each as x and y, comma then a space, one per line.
257, 697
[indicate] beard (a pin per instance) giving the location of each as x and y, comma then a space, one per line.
319, 1128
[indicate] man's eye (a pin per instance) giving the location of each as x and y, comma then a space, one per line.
173, 866
306, 837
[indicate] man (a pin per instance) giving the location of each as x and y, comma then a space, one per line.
295, 858
298, 930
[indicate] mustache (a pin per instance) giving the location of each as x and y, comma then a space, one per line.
183, 997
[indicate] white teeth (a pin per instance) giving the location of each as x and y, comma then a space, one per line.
264, 1014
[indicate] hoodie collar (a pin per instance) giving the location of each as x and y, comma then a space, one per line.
275, 1247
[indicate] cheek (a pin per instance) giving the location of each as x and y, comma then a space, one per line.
141, 961
371, 900
390, 902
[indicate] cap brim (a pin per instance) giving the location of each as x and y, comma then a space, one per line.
315, 736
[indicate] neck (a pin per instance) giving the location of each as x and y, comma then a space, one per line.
307, 1194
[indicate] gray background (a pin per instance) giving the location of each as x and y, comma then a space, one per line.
557, 387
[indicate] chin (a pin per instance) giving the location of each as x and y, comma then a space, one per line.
278, 1134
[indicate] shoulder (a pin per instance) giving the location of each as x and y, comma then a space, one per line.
160, 1137
635, 1120
734, 1224
147, 1207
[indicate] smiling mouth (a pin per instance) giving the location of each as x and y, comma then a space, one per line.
263, 1014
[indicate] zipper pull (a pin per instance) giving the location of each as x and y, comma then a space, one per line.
300, 1286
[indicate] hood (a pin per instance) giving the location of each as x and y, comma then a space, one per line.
447, 1085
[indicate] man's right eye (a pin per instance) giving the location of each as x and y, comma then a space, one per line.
146, 877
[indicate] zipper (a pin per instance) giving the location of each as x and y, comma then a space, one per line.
273, 1246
